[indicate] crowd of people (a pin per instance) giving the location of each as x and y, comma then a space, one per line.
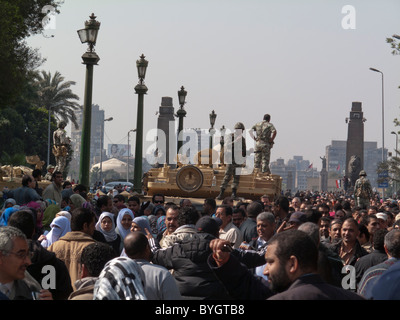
65, 245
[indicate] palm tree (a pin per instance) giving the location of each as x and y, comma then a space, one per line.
54, 94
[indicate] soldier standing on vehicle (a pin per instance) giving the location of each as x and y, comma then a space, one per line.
265, 134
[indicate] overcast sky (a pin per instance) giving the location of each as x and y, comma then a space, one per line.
302, 61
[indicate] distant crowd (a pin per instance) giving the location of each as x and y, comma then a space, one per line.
61, 243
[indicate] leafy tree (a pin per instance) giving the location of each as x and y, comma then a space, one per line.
393, 163
19, 19
55, 95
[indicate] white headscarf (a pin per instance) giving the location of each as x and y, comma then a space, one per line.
64, 214
59, 227
109, 235
123, 212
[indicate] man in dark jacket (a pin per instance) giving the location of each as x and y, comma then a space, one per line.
348, 248
23, 220
291, 269
377, 256
188, 259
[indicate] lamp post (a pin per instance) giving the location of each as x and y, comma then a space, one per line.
140, 90
383, 126
48, 143
101, 148
397, 144
181, 113
90, 58
213, 116
127, 163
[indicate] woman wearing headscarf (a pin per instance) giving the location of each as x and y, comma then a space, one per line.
64, 214
77, 201
106, 226
10, 202
49, 215
140, 224
59, 227
7, 213
124, 222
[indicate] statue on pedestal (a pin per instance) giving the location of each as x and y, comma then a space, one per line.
60, 147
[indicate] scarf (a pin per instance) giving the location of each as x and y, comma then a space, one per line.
123, 212
49, 215
109, 235
59, 227
77, 200
121, 279
161, 227
142, 222
7, 214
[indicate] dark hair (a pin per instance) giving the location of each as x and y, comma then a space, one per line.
227, 199
55, 173
79, 217
26, 179
367, 218
228, 209
296, 243
326, 219
188, 215
66, 183
254, 209
36, 173
120, 197
283, 202
353, 221
240, 210
157, 195
364, 230
211, 202
95, 255
23, 220
135, 244
134, 198
379, 239
267, 117
80, 188
313, 215
102, 201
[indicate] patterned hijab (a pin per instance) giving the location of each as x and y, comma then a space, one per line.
109, 235
121, 279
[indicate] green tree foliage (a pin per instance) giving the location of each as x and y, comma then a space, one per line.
55, 94
18, 20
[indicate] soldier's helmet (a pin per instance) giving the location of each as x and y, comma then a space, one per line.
239, 125
362, 173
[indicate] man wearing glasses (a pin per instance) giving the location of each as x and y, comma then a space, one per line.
15, 281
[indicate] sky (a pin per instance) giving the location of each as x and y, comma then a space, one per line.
302, 61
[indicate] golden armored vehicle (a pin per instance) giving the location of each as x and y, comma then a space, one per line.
203, 180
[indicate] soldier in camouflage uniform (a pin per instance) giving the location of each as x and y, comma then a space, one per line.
265, 135
232, 161
362, 191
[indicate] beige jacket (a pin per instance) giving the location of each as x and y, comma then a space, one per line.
69, 249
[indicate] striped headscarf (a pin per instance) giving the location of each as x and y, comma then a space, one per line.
121, 279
